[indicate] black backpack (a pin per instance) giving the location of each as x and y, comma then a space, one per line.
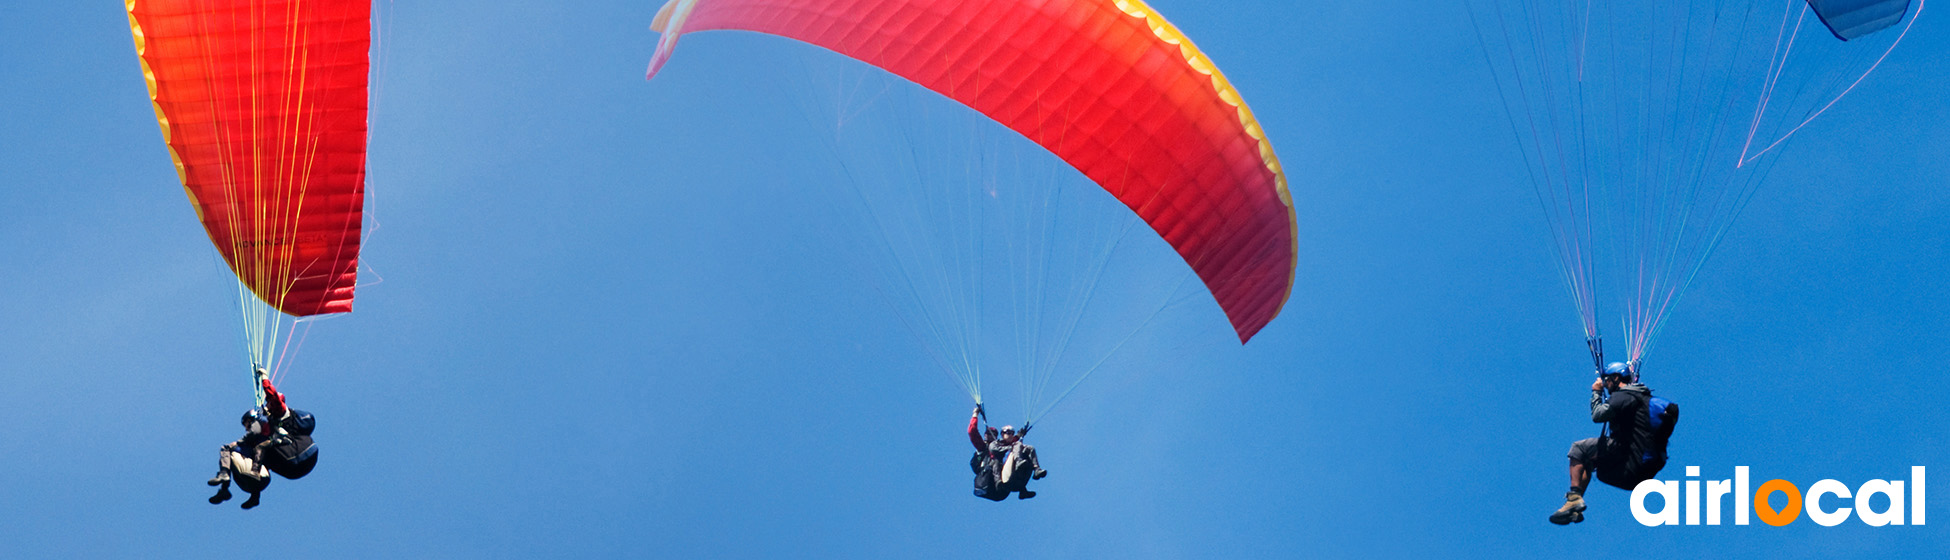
986, 485
292, 453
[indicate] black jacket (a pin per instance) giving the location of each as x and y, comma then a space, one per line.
1633, 440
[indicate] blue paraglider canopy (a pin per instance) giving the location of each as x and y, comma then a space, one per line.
1849, 19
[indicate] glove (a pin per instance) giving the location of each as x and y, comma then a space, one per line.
1040, 473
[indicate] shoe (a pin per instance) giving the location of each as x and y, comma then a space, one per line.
1040, 473
1025, 494
1572, 512
251, 503
223, 495
219, 479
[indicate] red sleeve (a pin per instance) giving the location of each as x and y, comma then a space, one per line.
974, 435
273, 402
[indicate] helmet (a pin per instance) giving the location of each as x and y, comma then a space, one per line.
253, 415
1008, 430
1617, 368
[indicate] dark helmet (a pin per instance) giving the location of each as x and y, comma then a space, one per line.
253, 415
1618, 368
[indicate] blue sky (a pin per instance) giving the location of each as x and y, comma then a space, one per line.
608, 328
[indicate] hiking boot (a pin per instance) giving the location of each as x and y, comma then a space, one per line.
223, 495
219, 479
1572, 512
251, 503
1025, 494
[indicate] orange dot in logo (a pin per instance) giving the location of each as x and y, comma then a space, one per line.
1782, 516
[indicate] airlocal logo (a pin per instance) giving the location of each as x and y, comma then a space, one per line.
1780, 493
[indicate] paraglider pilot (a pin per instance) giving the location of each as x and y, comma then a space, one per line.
1002, 460
276, 439
1633, 448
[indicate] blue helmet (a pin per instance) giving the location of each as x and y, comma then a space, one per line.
253, 415
1617, 368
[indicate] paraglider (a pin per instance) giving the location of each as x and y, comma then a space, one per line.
277, 439
1849, 19
1110, 87
1112, 90
1632, 447
263, 105
1003, 464
1645, 129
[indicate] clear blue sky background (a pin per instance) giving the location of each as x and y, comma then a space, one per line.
601, 332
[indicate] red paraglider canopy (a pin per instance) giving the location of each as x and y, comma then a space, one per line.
1107, 85
263, 106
